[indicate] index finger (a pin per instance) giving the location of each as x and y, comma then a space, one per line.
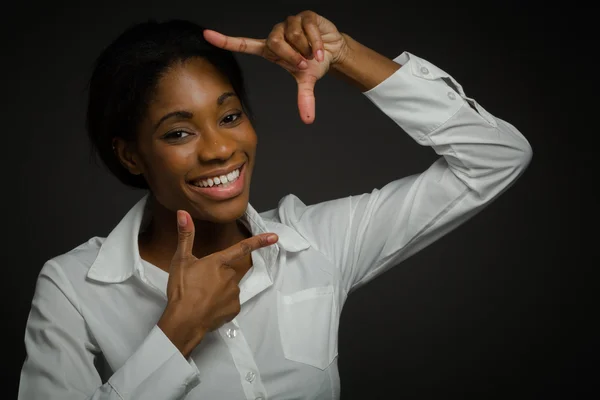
245, 247
231, 43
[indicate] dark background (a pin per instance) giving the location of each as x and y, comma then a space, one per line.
497, 309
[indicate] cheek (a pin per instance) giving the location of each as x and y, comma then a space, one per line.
169, 167
248, 138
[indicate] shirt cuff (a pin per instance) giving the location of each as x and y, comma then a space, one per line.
419, 96
157, 369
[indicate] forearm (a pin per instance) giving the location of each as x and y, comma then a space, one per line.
485, 152
361, 66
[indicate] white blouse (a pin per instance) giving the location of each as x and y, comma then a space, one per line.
92, 334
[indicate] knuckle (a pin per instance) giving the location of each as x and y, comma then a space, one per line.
220, 259
245, 248
225, 262
295, 34
277, 29
185, 234
275, 41
243, 46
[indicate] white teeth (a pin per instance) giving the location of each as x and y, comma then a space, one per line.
223, 179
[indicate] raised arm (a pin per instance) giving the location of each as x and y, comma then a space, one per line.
481, 156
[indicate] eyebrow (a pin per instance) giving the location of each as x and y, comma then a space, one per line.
181, 114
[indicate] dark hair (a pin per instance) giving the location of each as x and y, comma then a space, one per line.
126, 74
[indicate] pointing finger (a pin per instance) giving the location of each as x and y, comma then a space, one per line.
245, 247
238, 44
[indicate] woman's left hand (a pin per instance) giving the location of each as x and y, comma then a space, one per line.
306, 45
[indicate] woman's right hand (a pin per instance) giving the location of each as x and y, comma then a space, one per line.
202, 294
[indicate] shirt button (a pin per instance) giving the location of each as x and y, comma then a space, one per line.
424, 70
231, 333
250, 376
451, 96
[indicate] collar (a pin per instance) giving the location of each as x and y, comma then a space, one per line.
119, 255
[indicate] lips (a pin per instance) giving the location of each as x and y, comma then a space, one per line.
220, 191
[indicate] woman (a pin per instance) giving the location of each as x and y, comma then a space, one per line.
195, 294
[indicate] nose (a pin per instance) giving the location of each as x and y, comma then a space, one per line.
216, 146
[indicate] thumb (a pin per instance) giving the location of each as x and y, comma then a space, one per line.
306, 97
185, 238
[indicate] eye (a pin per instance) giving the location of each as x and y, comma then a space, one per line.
231, 118
175, 135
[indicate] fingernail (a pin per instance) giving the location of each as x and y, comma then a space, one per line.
272, 238
320, 55
181, 219
302, 64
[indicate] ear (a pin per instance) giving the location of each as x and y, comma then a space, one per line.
127, 156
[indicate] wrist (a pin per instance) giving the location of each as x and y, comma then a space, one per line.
340, 62
176, 328
361, 66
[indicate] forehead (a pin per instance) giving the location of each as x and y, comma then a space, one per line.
190, 84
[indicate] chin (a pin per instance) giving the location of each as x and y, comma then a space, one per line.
219, 212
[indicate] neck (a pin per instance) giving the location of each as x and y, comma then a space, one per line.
159, 242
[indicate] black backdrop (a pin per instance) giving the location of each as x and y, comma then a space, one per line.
497, 309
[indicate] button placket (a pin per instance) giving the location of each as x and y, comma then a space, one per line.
243, 358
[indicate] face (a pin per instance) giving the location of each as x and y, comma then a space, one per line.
195, 136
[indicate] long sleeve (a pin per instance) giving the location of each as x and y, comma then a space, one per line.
61, 353
480, 157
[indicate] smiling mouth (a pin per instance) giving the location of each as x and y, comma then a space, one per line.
221, 187
218, 180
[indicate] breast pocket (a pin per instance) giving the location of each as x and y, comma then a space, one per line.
308, 325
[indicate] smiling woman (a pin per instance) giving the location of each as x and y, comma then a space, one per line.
193, 128
195, 294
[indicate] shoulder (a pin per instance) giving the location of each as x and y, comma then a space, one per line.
73, 264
